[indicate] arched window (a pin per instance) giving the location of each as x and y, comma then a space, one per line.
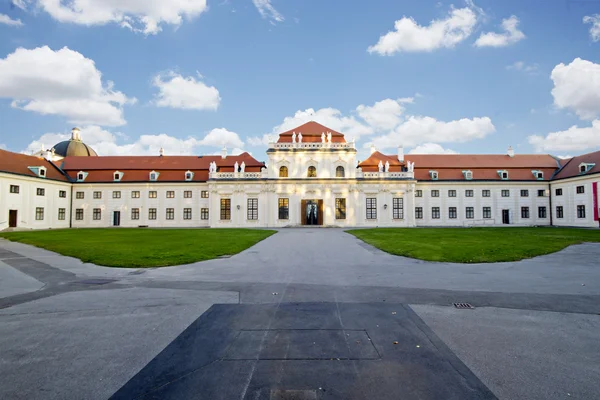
283, 172
312, 172
339, 172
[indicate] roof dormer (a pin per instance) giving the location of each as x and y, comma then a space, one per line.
117, 176
503, 174
433, 175
189, 175
585, 167
468, 175
539, 175
154, 176
40, 171
81, 175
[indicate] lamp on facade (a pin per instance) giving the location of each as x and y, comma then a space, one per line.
385, 206
238, 207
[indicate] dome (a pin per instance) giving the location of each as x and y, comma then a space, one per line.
74, 147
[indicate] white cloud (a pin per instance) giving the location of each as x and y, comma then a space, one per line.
257, 141
106, 143
441, 33
431, 148
187, 93
522, 66
63, 83
220, 137
510, 35
573, 139
577, 87
595, 28
266, 10
417, 129
138, 15
385, 114
6, 20
330, 117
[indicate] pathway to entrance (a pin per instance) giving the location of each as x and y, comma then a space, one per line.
310, 313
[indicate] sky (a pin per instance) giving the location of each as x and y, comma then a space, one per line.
193, 76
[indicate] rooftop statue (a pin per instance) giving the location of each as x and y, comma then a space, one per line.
300, 137
243, 167
380, 165
387, 166
236, 166
294, 137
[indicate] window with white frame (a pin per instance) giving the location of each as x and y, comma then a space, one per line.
435, 213
152, 213
252, 209
486, 193
97, 214
152, 194
135, 194
62, 193
116, 194
339, 172
542, 212
503, 175
419, 212
469, 193
470, 212
487, 212
451, 193
204, 213
170, 194
398, 208
435, 193
340, 208
581, 211
580, 189
225, 209
418, 193
62, 213
541, 193
434, 175
452, 213
559, 212
153, 176
14, 189
79, 214
204, 194
170, 215
371, 208
97, 195
39, 213
187, 194
468, 175
283, 207
558, 191
505, 193
40, 191
135, 214
187, 213
524, 212
79, 195
524, 193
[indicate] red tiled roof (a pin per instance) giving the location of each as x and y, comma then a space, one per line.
571, 166
17, 163
311, 133
170, 168
483, 166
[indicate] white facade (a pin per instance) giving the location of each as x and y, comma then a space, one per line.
575, 194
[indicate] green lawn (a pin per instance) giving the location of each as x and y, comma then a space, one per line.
474, 245
135, 248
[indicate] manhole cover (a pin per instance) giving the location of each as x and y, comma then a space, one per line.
463, 306
98, 281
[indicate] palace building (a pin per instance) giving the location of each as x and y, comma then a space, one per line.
312, 177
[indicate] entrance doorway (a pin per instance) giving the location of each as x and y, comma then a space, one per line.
116, 218
12, 218
311, 212
506, 216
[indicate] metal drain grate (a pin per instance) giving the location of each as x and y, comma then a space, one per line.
463, 306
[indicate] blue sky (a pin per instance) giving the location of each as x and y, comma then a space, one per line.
192, 77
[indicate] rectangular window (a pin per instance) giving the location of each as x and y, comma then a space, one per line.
225, 209
14, 188
580, 189
487, 212
116, 194
580, 211
97, 216
204, 213
505, 193
398, 208
541, 212
541, 193
135, 213
524, 212
170, 194
204, 194
40, 191
252, 212
187, 194
135, 194
435, 193
469, 193
152, 194
152, 213
284, 208
79, 214
435, 213
559, 212
419, 212
79, 195
39, 213
452, 214
470, 212
170, 213
340, 208
451, 193
62, 193
97, 195
371, 208
187, 213
62, 212
558, 192
524, 193
486, 193
419, 193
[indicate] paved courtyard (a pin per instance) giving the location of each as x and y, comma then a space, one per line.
304, 314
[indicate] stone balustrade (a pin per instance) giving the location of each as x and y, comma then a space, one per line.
313, 145
238, 175
385, 175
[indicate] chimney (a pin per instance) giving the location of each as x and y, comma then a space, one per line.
161, 152
400, 153
510, 152
48, 154
75, 134
373, 149
224, 152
